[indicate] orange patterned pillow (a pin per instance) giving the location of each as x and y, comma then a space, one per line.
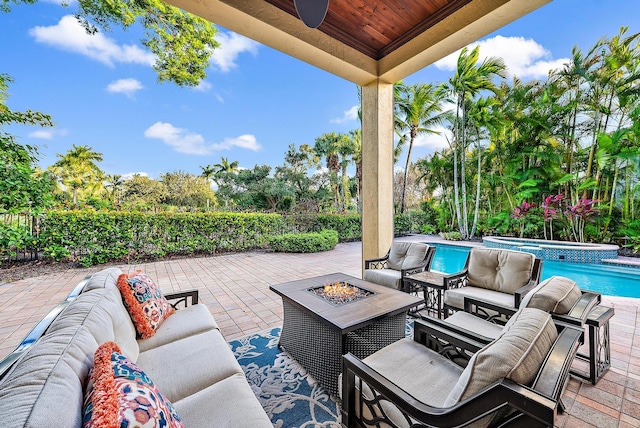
119, 394
144, 300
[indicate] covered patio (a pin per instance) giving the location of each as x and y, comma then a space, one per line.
235, 288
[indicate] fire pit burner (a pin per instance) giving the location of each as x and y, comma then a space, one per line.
340, 293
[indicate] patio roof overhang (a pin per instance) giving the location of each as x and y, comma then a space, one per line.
365, 40
372, 43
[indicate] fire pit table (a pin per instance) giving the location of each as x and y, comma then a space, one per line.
331, 315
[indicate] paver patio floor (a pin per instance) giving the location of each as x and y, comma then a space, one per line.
235, 288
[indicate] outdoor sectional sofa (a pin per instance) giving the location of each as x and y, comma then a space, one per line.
43, 382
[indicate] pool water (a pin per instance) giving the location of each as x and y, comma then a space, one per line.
606, 279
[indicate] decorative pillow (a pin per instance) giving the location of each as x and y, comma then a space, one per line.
119, 394
517, 354
144, 301
556, 294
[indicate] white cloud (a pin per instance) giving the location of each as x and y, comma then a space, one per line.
183, 141
434, 142
524, 58
125, 86
48, 134
129, 175
231, 46
203, 86
246, 141
348, 116
69, 35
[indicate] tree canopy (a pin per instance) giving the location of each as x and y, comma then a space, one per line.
181, 42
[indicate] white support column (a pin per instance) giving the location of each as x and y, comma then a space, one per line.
377, 169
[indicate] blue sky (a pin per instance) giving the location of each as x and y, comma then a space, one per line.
101, 91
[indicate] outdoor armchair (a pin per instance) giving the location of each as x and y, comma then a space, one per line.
497, 276
559, 296
516, 380
402, 259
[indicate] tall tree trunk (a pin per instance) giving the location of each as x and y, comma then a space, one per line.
477, 205
456, 189
406, 169
463, 174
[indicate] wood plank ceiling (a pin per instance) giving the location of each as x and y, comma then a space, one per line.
378, 27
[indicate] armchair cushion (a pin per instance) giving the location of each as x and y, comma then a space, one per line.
405, 255
387, 277
455, 296
517, 354
499, 270
556, 294
418, 370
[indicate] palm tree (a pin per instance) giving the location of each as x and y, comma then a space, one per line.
328, 145
468, 80
115, 183
419, 111
77, 169
226, 166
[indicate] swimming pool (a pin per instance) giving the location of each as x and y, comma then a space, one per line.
610, 280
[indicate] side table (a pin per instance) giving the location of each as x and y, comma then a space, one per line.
432, 286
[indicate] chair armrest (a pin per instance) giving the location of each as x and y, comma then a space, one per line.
519, 294
580, 311
415, 269
182, 297
455, 280
379, 263
473, 306
539, 410
448, 332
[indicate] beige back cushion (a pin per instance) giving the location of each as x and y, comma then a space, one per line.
556, 294
517, 354
405, 255
45, 389
499, 270
104, 315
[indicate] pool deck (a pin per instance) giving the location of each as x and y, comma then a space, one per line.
235, 288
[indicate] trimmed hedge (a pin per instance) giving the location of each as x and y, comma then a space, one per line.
97, 237
305, 242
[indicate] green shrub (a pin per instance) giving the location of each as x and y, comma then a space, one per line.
94, 237
452, 236
305, 242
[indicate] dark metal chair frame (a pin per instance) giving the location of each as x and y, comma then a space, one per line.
586, 313
382, 263
534, 406
459, 280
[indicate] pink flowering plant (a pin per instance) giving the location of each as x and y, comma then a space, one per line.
520, 213
551, 211
579, 214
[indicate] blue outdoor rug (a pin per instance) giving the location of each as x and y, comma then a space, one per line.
289, 395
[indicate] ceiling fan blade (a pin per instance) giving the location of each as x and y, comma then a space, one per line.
312, 12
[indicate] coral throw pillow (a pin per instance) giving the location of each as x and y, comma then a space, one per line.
144, 301
119, 394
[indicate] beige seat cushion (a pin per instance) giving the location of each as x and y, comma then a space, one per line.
500, 270
210, 360
45, 389
455, 296
416, 369
229, 403
556, 294
387, 277
185, 322
517, 354
406, 255
475, 324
